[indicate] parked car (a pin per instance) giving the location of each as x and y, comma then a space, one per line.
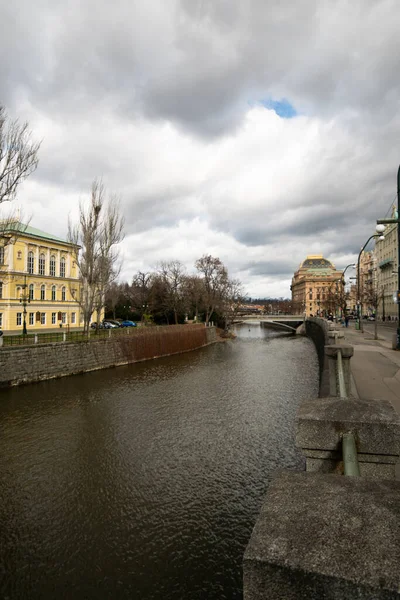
110, 325
112, 321
371, 318
128, 324
94, 325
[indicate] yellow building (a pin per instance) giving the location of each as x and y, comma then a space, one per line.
39, 280
317, 287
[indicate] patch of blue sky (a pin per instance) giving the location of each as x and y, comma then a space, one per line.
282, 107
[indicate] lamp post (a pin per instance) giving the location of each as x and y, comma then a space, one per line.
380, 229
351, 265
24, 300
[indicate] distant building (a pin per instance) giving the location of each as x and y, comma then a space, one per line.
317, 287
368, 282
39, 270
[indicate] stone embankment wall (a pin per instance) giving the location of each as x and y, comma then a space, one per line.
20, 365
317, 330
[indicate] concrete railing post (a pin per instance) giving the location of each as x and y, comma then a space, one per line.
64, 336
331, 353
36, 338
323, 422
325, 537
1, 342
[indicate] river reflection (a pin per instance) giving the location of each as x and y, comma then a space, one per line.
145, 481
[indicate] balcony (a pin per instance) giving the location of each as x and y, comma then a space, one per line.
388, 262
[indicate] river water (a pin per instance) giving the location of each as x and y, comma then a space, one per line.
145, 481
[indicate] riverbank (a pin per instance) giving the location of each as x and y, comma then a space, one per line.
20, 365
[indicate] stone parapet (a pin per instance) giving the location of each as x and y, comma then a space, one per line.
376, 425
325, 537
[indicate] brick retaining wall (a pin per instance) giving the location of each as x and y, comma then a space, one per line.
46, 361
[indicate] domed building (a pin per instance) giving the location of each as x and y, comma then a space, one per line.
317, 287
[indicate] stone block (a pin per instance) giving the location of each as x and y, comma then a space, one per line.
323, 536
376, 427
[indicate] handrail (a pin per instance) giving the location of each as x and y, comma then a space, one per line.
350, 459
340, 375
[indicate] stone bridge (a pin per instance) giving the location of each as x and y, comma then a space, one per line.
288, 323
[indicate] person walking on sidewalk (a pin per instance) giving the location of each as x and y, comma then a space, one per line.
346, 320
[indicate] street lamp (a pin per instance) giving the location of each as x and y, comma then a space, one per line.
379, 234
24, 300
351, 265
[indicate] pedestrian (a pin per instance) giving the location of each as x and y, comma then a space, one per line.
346, 320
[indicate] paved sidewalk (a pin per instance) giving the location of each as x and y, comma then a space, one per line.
375, 366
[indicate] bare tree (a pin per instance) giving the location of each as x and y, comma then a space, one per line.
215, 280
113, 295
18, 155
233, 300
173, 276
141, 292
193, 293
95, 239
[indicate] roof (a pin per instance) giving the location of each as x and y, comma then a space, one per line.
32, 231
317, 262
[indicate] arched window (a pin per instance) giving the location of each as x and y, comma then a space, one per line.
52, 265
31, 262
31, 291
53, 292
62, 267
63, 294
43, 292
42, 264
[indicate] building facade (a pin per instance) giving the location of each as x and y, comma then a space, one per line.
317, 287
39, 280
368, 283
386, 262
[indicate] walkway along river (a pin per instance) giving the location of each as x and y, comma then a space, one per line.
145, 481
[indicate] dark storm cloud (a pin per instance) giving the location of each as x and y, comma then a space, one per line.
282, 268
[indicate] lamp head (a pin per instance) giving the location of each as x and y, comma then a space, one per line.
380, 228
381, 237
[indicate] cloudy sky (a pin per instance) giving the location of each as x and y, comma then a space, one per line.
258, 131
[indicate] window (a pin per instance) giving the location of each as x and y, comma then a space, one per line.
63, 318
1, 255
52, 265
63, 294
31, 318
73, 318
62, 267
53, 318
19, 254
31, 291
19, 318
31, 262
53, 292
42, 264
43, 318
1, 289
43, 292
1, 319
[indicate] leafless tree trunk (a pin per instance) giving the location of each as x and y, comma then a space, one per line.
141, 291
215, 279
95, 239
173, 276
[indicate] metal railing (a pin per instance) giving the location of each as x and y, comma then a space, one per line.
349, 448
